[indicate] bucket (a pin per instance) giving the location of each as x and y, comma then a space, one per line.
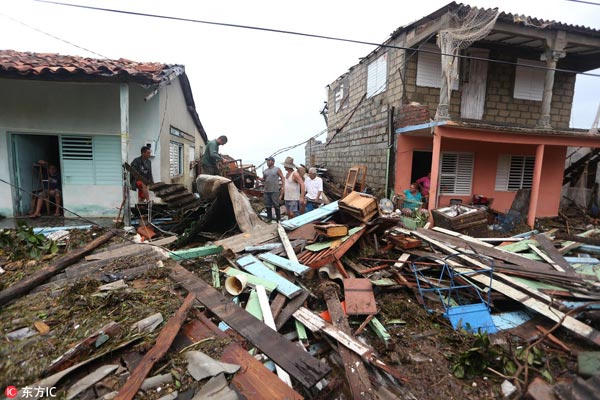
235, 284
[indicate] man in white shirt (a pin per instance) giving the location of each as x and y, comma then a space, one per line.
314, 189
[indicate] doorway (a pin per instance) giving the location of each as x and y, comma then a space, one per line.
27, 150
421, 164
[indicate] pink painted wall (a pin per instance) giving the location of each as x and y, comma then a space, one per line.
484, 171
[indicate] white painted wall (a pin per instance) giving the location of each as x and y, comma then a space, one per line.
53, 108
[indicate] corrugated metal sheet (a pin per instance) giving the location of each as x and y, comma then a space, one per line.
51, 66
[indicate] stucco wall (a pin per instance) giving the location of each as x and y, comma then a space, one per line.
484, 170
53, 108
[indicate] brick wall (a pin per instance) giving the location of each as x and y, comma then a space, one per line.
358, 131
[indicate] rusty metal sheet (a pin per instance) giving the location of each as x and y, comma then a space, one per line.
360, 300
253, 380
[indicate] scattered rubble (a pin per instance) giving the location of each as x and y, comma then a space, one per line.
351, 300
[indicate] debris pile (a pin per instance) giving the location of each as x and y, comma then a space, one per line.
345, 301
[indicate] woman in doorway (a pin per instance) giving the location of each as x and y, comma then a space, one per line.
52, 189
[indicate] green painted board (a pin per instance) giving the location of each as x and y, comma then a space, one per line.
588, 363
379, 329
251, 279
254, 266
214, 268
536, 284
517, 247
253, 307
289, 265
301, 330
187, 254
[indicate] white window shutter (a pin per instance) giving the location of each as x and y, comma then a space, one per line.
429, 68
514, 173
529, 82
175, 158
502, 173
377, 76
456, 173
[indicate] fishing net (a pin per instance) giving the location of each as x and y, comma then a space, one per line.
468, 28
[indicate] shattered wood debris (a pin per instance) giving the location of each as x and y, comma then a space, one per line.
340, 302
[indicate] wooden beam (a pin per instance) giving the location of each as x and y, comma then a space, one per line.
163, 342
25, 285
253, 381
290, 309
263, 300
302, 366
356, 373
289, 250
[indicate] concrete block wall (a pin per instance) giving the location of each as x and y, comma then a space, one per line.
358, 131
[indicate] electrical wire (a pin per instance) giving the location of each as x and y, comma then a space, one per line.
311, 35
52, 36
584, 2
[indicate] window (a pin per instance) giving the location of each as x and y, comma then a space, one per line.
91, 160
341, 97
192, 158
514, 173
529, 82
377, 76
175, 159
456, 175
429, 67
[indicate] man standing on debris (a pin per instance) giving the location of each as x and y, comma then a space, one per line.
143, 166
272, 191
293, 190
314, 189
211, 157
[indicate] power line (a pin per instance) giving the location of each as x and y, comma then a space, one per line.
311, 35
584, 2
51, 35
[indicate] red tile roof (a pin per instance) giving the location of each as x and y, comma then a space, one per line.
51, 66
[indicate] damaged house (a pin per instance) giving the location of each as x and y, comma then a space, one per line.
478, 98
89, 116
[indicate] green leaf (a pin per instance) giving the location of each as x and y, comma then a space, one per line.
510, 367
458, 371
547, 376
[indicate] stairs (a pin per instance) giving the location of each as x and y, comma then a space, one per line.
175, 196
574, 171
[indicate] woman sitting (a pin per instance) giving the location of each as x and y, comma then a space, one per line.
412, 197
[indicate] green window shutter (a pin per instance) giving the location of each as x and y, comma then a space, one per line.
91, 160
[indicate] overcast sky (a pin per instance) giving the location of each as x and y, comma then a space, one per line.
263, 90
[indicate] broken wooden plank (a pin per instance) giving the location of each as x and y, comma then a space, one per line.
553, 253
356, 373
25, 285
251, 279
253, 381
255, 267
265, 308
311, 216
289, 250
83, 348
358, 293
546, 258
318, 324
288, 265
258, 235
296, 362
290, 309
196, 252
163, 342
